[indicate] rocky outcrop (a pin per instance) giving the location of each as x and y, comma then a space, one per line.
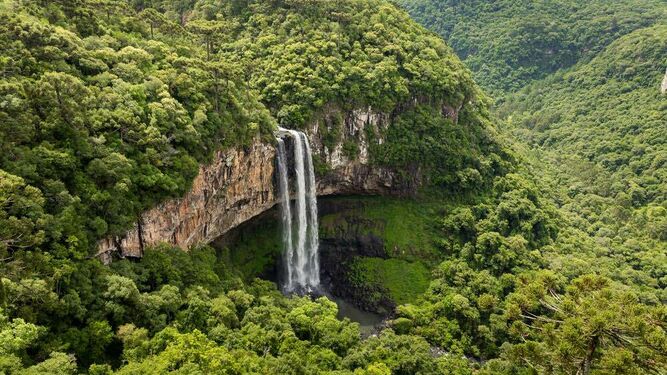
354, 173
235, 187
663, 88
239, 184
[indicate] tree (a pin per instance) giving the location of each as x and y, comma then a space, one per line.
109, 7
15, 337
209, 31
591, 328
154, 19
22, 215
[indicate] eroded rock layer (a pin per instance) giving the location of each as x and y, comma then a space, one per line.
240, 184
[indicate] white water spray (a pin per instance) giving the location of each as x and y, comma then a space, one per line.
301, 245
313, 227
285, 209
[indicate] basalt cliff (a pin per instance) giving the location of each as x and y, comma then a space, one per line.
240, 184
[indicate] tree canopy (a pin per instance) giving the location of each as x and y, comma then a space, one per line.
536, 244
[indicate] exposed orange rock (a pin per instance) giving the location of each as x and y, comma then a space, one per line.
236, 186
239, 184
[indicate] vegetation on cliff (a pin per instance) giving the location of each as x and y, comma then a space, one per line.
101, 121
554, 265
108, 108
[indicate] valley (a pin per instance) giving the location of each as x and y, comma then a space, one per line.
348, 187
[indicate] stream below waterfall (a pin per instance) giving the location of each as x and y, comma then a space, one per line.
368, 321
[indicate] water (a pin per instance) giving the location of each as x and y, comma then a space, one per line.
368, 321
301, 243
313, 229
300, 231
285, 209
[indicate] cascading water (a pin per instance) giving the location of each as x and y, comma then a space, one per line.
313, 228
300, 227
285, 209
301, 243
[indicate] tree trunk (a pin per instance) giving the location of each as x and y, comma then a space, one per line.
585, 368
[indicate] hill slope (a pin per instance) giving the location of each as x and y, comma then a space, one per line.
510, 43
108, 108
597, 132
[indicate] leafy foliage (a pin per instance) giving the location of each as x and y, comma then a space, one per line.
598, 130
109, 106
509, 43
576, 294
102, 124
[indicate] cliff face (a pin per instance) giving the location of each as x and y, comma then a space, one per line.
239, 184
236, 186
663, 87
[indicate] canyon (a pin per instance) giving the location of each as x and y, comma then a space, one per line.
240, 183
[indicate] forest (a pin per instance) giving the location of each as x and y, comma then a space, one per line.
534, 243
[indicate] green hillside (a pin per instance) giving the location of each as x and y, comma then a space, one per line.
101, 121
536, 245
581, 95
509, 43
604, 123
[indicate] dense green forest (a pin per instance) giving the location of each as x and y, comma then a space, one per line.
538, 244
594, 133
509, 43
578, 85
599, 128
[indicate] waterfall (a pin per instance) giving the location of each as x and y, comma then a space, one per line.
283, 196
299, 261
313, 228
301, 243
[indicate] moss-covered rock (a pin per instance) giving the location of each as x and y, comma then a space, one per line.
254, 248
402, 281
404, 226
376, 251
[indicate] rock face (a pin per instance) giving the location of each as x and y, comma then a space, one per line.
354, 174
344, 238
239, 184
236, 186
663, 88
